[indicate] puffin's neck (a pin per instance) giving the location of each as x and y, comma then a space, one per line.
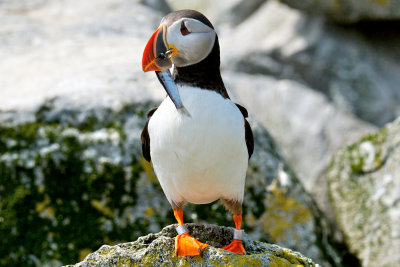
205, 74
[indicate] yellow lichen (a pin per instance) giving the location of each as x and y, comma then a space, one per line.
279, 262
335, 5
233, 260
149, 212
381, 2
105, 252
294, 259
83, 253
125, 263
44, 207
100, 207
184, 263
283, 212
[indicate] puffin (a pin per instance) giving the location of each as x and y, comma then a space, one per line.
197, 140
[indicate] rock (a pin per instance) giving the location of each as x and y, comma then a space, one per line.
308, 128
237, 13
224, 14
359, 77
158, 249
71, 173
21, 5
302, 120
69, 164
364, 186
157, 4
313, 93
211, 9
71, 49
344, 11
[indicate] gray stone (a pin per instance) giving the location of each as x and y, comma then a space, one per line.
160, 5
224, 14
211, 9
158, 249
364, 186
236, 14
307, 126
359, 74
350, 11
78, 50
20, 5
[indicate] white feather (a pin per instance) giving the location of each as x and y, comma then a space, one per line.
201, 158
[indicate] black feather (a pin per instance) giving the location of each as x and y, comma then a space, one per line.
248, 132
145, 138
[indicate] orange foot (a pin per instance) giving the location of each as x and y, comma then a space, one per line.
236, 246
185, 245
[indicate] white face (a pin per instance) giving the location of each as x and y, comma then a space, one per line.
193, 40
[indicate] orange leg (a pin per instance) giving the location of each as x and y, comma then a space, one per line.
185, 245
236, 246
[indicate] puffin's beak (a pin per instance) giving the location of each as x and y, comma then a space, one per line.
157, 53
157, 57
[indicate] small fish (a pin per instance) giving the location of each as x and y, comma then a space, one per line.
169, 85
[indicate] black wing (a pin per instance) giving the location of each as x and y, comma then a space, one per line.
248, 132
146, 138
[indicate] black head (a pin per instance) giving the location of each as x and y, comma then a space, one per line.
187, 39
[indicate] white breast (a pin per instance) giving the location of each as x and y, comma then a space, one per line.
201, 158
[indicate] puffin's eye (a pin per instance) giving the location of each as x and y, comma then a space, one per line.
184, 30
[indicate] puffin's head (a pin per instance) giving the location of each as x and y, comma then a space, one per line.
184, 38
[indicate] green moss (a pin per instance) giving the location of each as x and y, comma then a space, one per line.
47, 185
357, 160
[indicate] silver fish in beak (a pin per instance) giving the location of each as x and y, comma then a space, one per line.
157, 57
169, 85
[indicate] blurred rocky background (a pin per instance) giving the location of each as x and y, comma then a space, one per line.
319, 78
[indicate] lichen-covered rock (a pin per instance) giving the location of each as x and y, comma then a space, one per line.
364, 185
350, 11
73, 180
158, 250
71, 173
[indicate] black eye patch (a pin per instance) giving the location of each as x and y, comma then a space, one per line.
184, 30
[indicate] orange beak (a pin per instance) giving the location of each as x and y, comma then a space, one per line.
157, 53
